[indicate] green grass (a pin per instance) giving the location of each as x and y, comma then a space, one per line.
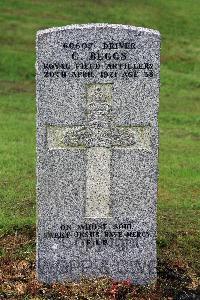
179, 118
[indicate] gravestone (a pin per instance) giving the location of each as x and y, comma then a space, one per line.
97, 152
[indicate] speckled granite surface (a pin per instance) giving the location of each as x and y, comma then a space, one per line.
97, 152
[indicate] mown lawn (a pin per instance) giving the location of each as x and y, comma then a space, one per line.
179, 118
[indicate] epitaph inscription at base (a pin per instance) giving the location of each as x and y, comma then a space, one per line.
97, 152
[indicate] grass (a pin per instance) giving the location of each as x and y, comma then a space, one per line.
179, 118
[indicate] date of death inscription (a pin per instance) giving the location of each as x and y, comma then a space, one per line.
108, 61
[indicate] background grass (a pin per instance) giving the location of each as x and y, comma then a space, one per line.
179, 118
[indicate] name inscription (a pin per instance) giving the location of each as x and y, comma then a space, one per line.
110, 60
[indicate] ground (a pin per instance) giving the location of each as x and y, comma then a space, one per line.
176, 280
179, 178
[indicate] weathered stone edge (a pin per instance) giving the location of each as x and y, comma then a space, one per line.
98, 25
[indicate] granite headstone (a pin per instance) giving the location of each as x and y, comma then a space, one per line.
97, 152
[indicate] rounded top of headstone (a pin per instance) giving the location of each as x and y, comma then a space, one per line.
140, 30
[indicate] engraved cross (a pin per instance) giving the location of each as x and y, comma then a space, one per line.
99, 136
